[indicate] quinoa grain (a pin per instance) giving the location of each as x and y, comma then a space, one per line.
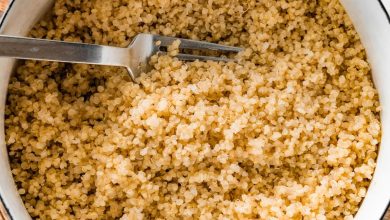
290, 131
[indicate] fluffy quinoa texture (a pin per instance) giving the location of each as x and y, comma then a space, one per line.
289, 131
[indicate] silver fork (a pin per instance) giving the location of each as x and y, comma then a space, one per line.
135, 57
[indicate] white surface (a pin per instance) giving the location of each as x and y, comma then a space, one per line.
386, 3
17, 23
374, 29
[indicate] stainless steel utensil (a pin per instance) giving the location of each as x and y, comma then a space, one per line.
135, 57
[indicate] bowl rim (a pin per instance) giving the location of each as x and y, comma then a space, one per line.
4, 205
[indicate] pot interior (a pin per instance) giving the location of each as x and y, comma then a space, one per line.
370, 21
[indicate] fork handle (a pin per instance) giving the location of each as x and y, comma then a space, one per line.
52, 50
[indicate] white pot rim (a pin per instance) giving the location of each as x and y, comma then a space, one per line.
14, 208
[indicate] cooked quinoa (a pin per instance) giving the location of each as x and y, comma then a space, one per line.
289, 131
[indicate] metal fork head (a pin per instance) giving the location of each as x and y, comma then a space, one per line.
144, 46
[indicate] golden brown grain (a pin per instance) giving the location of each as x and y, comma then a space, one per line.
290, 131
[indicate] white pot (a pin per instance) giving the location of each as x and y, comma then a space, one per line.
371, 21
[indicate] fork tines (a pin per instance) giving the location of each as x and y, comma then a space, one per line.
196, 45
